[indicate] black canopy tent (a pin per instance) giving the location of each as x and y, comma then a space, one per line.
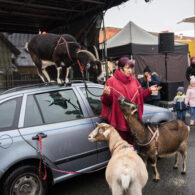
143, 47
134, 40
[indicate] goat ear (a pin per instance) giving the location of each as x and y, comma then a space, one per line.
106, 133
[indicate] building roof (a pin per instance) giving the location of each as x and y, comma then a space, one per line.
9, 44
19, 40
109, 31
189, 20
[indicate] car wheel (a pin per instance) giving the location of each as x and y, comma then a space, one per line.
24, 181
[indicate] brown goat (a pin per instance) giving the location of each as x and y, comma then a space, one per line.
163, 141
126, 172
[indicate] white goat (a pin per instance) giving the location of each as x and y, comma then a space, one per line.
126, 172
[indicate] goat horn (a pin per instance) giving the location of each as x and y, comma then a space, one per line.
96, 52
87, 52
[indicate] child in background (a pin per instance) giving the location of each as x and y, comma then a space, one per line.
190, 98
179, 104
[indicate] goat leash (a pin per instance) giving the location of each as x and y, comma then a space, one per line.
155, 136
74, 172
57, 170
40, 162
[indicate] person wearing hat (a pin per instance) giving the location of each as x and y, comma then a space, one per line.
190, 71
179, 104
190, 99
124, 84
149, 80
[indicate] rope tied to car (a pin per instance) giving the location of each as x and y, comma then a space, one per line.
57, 170
40, 162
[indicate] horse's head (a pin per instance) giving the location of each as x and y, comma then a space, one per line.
92, 65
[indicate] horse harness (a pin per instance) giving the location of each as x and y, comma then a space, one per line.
155, 135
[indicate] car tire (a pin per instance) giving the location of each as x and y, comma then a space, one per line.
23, 181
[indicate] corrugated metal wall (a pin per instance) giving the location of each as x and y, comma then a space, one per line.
6, 76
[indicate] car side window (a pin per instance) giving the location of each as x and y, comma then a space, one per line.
32, 114
59, 106
9, 114
94, 100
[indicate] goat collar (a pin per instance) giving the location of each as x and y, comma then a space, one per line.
155, 136
121, 146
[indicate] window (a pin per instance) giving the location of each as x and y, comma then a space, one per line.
32, 114
9, 112
58, 106
94, 100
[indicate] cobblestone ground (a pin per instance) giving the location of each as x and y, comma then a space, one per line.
171, 183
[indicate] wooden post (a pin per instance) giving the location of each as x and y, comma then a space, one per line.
105, 48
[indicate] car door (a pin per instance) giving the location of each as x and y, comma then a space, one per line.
9, 135
62, 119
93, 102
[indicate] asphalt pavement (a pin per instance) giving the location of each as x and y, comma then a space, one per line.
172, 182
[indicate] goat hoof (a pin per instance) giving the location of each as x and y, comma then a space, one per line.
62, 84
156, 179
175, 167
183, 172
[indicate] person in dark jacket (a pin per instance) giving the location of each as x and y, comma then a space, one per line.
123, 83
190, 71
179, 104
149, 80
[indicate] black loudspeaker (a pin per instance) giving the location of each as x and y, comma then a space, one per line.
169, 90
166, 42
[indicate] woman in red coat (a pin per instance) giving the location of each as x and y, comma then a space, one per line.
123, 83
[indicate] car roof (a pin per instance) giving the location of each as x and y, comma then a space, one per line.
43, 87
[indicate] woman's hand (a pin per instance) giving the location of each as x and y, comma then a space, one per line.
155, 88
149, 78
106, 90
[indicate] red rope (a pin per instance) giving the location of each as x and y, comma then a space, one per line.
40, 162
80, 66
71, 172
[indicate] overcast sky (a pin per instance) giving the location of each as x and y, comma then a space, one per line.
156, 16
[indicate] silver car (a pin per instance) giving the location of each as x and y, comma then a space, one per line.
44, 129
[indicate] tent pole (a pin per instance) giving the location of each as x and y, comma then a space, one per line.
105, 48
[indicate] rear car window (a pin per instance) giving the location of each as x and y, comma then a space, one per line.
9, 114
94, 99
59, 106
32, 114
